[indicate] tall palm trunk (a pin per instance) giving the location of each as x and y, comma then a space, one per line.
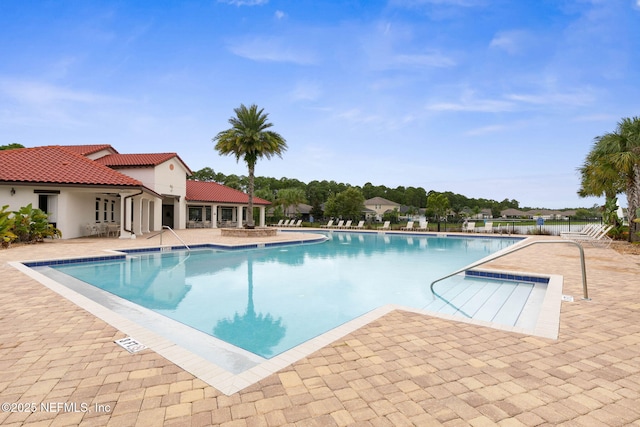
250, 223
633, 204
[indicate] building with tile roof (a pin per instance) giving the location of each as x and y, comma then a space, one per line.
93, 189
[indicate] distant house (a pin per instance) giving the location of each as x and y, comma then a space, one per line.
513, 213
380, 206
85, 188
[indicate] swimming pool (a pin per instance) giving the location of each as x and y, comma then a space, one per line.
269, 300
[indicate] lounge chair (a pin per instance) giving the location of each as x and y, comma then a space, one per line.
587, 230
409, 226
339, 225
279, 224
360, 226
469, 227
596, 239
347, 224
488, 227
297, 224
423, 226
328, 225
286, 223
386, 225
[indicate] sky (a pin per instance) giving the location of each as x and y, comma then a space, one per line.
491, 99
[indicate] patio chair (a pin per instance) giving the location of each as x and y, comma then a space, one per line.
279, 224
297, 224
339, 225
347, 224
423, 225
469, 227
587, 230
488, 227
386, 225
328, 225
597, 239
409, 226
286, 223
360, 226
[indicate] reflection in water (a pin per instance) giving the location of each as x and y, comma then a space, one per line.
253, 332
301, 291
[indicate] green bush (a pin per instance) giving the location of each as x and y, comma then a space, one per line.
6, 227
32, 225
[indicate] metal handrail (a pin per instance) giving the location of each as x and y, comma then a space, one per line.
469, 267
174, 233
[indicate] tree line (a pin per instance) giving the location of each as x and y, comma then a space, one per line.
290, 191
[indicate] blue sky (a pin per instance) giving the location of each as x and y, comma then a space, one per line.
487, 98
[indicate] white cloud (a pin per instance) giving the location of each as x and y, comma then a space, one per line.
422, 60
244, 2
280, 15
418, 3
271, 49
473, 105
37, 93
485, 130
511, 42
306, 91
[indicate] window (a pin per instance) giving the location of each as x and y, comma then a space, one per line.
97, 210
106, 205
113, 211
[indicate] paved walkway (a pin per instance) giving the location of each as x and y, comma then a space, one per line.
403, 369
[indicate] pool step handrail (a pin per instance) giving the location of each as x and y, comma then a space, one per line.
517, 248
174, 233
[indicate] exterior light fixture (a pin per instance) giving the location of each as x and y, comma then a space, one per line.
13, 191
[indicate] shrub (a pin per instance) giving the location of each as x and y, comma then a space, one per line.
32, 225
6, 226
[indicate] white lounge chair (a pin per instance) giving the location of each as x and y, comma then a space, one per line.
347, 224
423, 226
587, 230
340, 224
488, 227
469, 227
297, 224
409, 226
359, 226
329, 224
279, 224
286, 223
386, 225
597, 239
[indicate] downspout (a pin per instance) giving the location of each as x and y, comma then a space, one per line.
124, 226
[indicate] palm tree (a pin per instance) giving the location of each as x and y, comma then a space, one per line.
288, 197
249, 139
613, 164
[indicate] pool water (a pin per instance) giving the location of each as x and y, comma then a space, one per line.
269, 300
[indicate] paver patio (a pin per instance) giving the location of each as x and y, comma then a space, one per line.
402, 369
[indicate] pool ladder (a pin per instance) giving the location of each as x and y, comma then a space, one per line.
174, 233
584, 270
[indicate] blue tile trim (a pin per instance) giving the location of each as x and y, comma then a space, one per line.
73, 261
506, 276
159, 249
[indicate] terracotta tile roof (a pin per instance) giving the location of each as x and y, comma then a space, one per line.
89, 149
202, 191
57, 164
139, 160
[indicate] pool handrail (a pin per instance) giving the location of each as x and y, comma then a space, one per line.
174, 233
517, 248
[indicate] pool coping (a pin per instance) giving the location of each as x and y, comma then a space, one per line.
547, 326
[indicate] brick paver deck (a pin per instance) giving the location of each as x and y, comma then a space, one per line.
402, 369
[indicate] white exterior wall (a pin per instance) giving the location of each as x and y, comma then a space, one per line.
170, 178
22, 197
74, 208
